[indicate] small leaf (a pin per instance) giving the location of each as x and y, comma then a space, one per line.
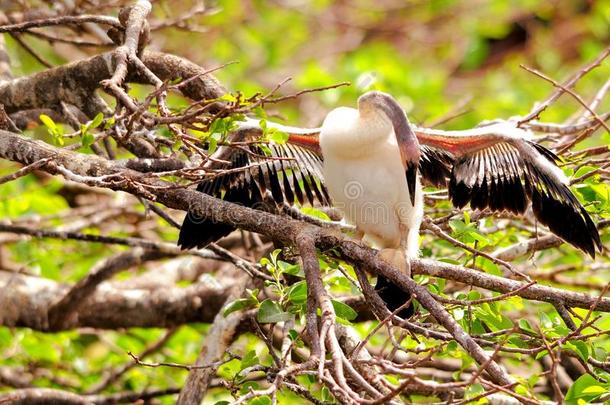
344, 311
297, 294
595, 389
109, 122
48, 122
212, 145
97, 120
279, 137
525, 325
87, 139
577, 390
264, 400
238, 304
249, 360
579, 347
270, 312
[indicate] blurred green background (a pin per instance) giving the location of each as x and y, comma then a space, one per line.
439, 58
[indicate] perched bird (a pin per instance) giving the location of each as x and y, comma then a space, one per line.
371, 159
369, 162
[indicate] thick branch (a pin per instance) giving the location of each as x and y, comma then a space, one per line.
25, 300
78, 80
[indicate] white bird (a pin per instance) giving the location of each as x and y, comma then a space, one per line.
373, 162
371, 157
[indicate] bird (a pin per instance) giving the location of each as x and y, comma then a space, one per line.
370, 163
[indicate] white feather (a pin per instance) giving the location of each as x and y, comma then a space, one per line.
365, 177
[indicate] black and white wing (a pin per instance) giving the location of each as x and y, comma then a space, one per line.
502, 171
261, 178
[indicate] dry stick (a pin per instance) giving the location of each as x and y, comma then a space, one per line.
428, 224
45, 22
56, 396
61, 313
128, 52
300, 93
483, 300
495, 283
167, 248
597, 99
211, 252
30, 50
137, 361
568, 84
24, 171
115, 374
72, 41
570, 92
553, 371
565, 129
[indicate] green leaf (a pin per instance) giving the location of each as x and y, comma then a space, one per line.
87, 139
525, 325
249, 360
326, 395
297, 294
48, 122
109, 122
595, 389
289, 268
580, 386
270, 312
264, 400
579, 347
314, 212
97, 120
344, 311
279, 137
212, 145
238, 305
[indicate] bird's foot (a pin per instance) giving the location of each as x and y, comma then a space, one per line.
397, 258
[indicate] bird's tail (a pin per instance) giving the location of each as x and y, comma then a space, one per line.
392, 295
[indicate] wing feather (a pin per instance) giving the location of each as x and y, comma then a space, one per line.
511, 174
287, 181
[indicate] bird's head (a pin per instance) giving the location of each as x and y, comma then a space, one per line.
352, 132
382, 107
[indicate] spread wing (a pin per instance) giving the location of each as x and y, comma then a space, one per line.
435, 166
509, 173
259, 178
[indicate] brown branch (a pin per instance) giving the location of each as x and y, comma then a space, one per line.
571, 93
114, 375
25, 300
45, 396
63, 20
61, 312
